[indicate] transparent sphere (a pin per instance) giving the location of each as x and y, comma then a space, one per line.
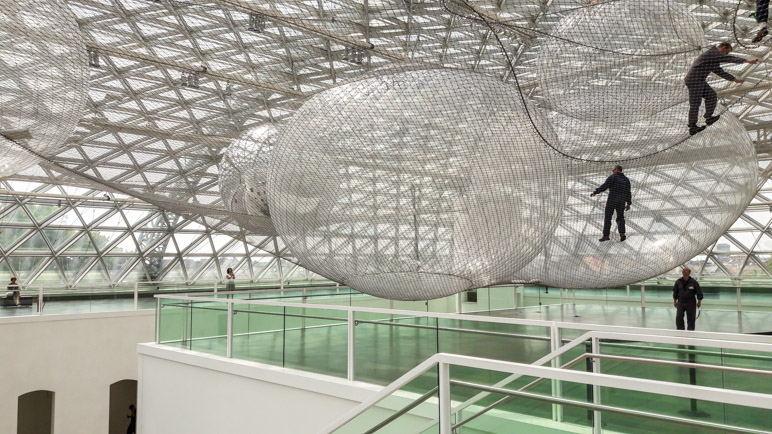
243, 171
683, 200
416, 184
43, 80
622, 60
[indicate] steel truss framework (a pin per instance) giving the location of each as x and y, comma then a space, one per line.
174, 81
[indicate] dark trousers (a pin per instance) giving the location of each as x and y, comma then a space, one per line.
691, 311
698, 91
762, 11
612, 207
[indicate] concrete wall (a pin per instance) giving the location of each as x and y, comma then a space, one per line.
77, 357
195, 393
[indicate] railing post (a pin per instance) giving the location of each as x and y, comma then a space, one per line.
136, 295
350, 357
739, 300
40, 300
643, 295
557, 386
516, 299
229, 332
444, 384
215, 287
303, 300
158, 321
596, 415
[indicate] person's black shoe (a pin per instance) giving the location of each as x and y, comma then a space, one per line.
695, 130
712, 120
760, 35
605, 238
622, 237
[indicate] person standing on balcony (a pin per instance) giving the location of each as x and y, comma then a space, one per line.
687, 297
231, 278
13, 290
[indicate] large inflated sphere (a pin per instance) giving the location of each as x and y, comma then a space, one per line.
622, 60
684, 199
416, 184
43, 80
243, 170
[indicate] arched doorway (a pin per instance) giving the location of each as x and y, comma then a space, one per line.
122, 394
35, 413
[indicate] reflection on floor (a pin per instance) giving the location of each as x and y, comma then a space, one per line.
653, 317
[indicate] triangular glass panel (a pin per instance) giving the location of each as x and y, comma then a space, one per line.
753, 270
136, 216
176, 273
124, 246
271, 274
16, 216
25, 266
156, 223
10, 236
82, 245
5, 274
69, 219
194, 265
89, 214
184, 240
117, 265
220, 241
155, 265
103, 239
137, 274
41, 212
95, 275
203, 248
74, 265
148, 240
34, 244
211, 272
60, 237
114, 221
235, 249
51, 275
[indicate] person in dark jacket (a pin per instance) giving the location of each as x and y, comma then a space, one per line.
697, 84
619, 201
132, 416
762, 14
684, 292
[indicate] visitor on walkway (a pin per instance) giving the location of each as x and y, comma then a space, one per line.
687, 297
697, 82
619, 201
231, 280
132, 416
13, 292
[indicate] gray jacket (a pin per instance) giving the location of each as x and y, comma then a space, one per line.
710, 61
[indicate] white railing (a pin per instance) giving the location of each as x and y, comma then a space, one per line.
553, 330
444, 361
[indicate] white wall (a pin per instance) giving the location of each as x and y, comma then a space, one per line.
194, 393
76, 356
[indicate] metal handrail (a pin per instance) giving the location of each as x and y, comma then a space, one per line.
404, 410
605, 408
585, 356
443, 361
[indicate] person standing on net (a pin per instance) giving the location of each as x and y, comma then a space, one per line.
684, 292
619, 201
762, 14
697, 82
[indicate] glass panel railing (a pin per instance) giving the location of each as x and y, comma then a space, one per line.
411, 409
258, 333
316, 340
208, 327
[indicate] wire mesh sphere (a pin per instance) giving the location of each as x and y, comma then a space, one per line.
43, 80
621, 60
683, 200
416, 184
243, 171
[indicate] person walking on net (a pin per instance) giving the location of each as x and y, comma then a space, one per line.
619, 201
684, 292
762, 14
697, 84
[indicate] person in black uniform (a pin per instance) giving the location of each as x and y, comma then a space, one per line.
697, 84
684, 292
762, 14
619, 201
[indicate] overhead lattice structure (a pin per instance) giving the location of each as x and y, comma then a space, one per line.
157, 120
